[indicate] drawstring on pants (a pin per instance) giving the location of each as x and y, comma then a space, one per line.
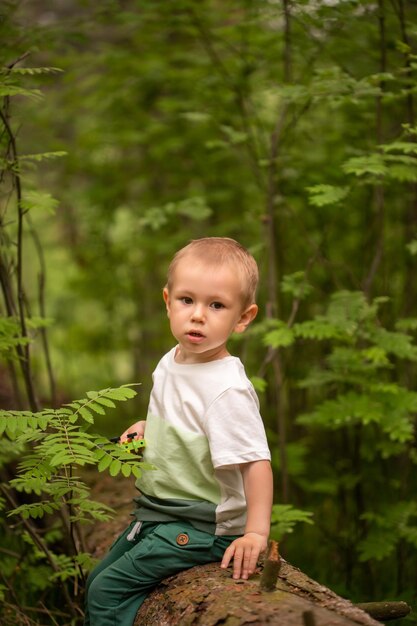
135, 531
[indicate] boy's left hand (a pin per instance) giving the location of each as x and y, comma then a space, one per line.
244, 552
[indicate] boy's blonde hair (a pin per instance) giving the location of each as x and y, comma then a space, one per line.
218, 251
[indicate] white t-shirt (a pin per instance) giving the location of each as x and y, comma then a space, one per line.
203, 421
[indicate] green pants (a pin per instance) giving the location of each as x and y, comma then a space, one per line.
138, 561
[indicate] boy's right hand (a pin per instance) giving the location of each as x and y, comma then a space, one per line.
138, 428
245, 552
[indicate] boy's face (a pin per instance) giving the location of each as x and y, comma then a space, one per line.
204, 306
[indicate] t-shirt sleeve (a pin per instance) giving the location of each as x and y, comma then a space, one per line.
235, 430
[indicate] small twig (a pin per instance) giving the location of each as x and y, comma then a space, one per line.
18, 60
271, 569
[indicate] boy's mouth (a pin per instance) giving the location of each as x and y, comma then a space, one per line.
195, 335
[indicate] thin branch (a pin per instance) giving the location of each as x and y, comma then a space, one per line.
287, 61
42, 310
23, 351
379, 194
22, 57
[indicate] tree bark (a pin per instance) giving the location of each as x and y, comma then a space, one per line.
208, 596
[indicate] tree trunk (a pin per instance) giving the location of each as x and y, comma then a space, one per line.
208, 596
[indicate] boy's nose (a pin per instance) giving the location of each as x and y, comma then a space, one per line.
198, 313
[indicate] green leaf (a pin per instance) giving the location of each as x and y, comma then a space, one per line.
99, 453
376, 355
104, 463
115, 467
42, 156
195, 208
259, 384
126, 470
86, 414
31, 71
279, 337
95, 406
372, 164
105, 401
285, 517
297, 285
13, 90
196, 116
43, 422
406, 147
387, 529
321, 195
407, 323
121, 393
320, 329
11, 425
235, 137
412, 247
39, 200
61, 458
403, 173
378, 545
396, 343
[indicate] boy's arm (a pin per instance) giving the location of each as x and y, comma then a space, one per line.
257, 482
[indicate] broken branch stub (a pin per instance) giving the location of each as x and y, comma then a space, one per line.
271, 569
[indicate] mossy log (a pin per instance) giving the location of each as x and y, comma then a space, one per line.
208, 596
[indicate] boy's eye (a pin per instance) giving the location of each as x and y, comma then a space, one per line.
186, 300
217, 305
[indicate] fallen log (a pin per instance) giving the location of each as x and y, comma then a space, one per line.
208, 596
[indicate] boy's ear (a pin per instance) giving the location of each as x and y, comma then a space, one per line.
246, 318
165, 294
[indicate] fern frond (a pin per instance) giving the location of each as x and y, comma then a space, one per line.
371, 164
284, 518
35, 510
8, 90
42, 156
322, 195
406, 147
104, 397
279, 337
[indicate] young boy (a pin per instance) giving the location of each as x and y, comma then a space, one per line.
210, 496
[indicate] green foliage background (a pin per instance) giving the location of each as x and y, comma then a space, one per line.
287, 125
